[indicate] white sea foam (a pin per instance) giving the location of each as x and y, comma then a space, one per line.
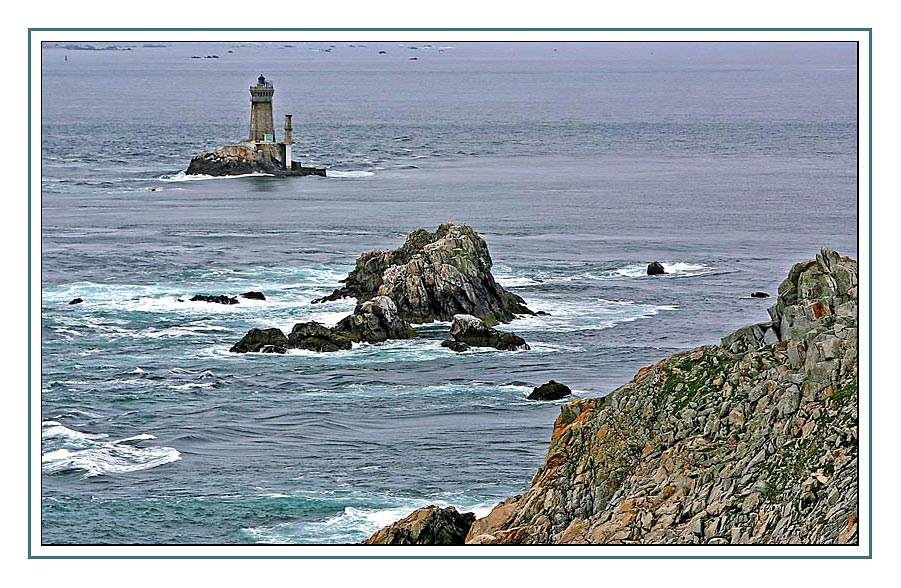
183, 177
334, 173
65, 449
678, 268
594, 314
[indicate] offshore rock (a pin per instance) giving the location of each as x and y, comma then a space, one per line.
375, 321
430, 525
655, 268
759, 295
313, 336
76, 301
252, 295
473, 331
232, 160
221, 299
457, 346
748, 442
257, 339
432, 277
550, 391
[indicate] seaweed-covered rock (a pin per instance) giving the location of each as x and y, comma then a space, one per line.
313, 336
431, 525
473, 331
550, 391
257, 339
374, 321
432, 277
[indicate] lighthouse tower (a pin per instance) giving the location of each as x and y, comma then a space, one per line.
262, 130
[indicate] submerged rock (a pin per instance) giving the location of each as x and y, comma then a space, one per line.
550, 391
375, 321
457, 346
257, 339
473, 331
221, 299
759, 295
431, 525
76, 301
313, 336
252, 295
432, 277
655, 268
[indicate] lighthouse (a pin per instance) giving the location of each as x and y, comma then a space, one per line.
262, 129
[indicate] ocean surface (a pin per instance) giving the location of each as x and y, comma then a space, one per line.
578, 163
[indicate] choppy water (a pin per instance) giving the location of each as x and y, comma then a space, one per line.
577, 165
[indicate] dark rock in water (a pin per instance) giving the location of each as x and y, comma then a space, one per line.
76, 301
252, 295
550, 391
542, 313
273, 349
759, 295
257, 339
457, 346
315, 337
432, 277
375, 321
655, 268
431, 525
221, 299
232, 160
473, 331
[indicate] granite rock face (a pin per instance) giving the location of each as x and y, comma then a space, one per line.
432, 277
232, 160
430, 525
474, 332
752, 441
374, 321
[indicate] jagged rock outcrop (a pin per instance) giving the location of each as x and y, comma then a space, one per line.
751, 441
431, 525
232, 160
551, 391
475, 333
432, 277
374, 321
258, 339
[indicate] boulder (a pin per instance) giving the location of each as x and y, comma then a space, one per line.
374, 321
313, 336
655, 268
221, 299
252, 295
473, 331
550, 391
457, 346
431, 525
432, 277
76, 301
257, 339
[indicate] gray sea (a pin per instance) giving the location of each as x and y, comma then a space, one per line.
578, 163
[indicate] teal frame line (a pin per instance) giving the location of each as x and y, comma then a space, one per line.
869, 32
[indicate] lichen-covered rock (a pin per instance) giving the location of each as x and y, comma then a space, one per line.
313, 336
714, 446
474, 332
432, 277
374, 321
257, 339
233, 160
431, 525
551, 391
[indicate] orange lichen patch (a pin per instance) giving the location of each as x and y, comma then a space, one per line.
562, 428
782, 345
820, 310
667, 492
696, 355
643, 371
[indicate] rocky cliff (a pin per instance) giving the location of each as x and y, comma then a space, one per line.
751, 441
